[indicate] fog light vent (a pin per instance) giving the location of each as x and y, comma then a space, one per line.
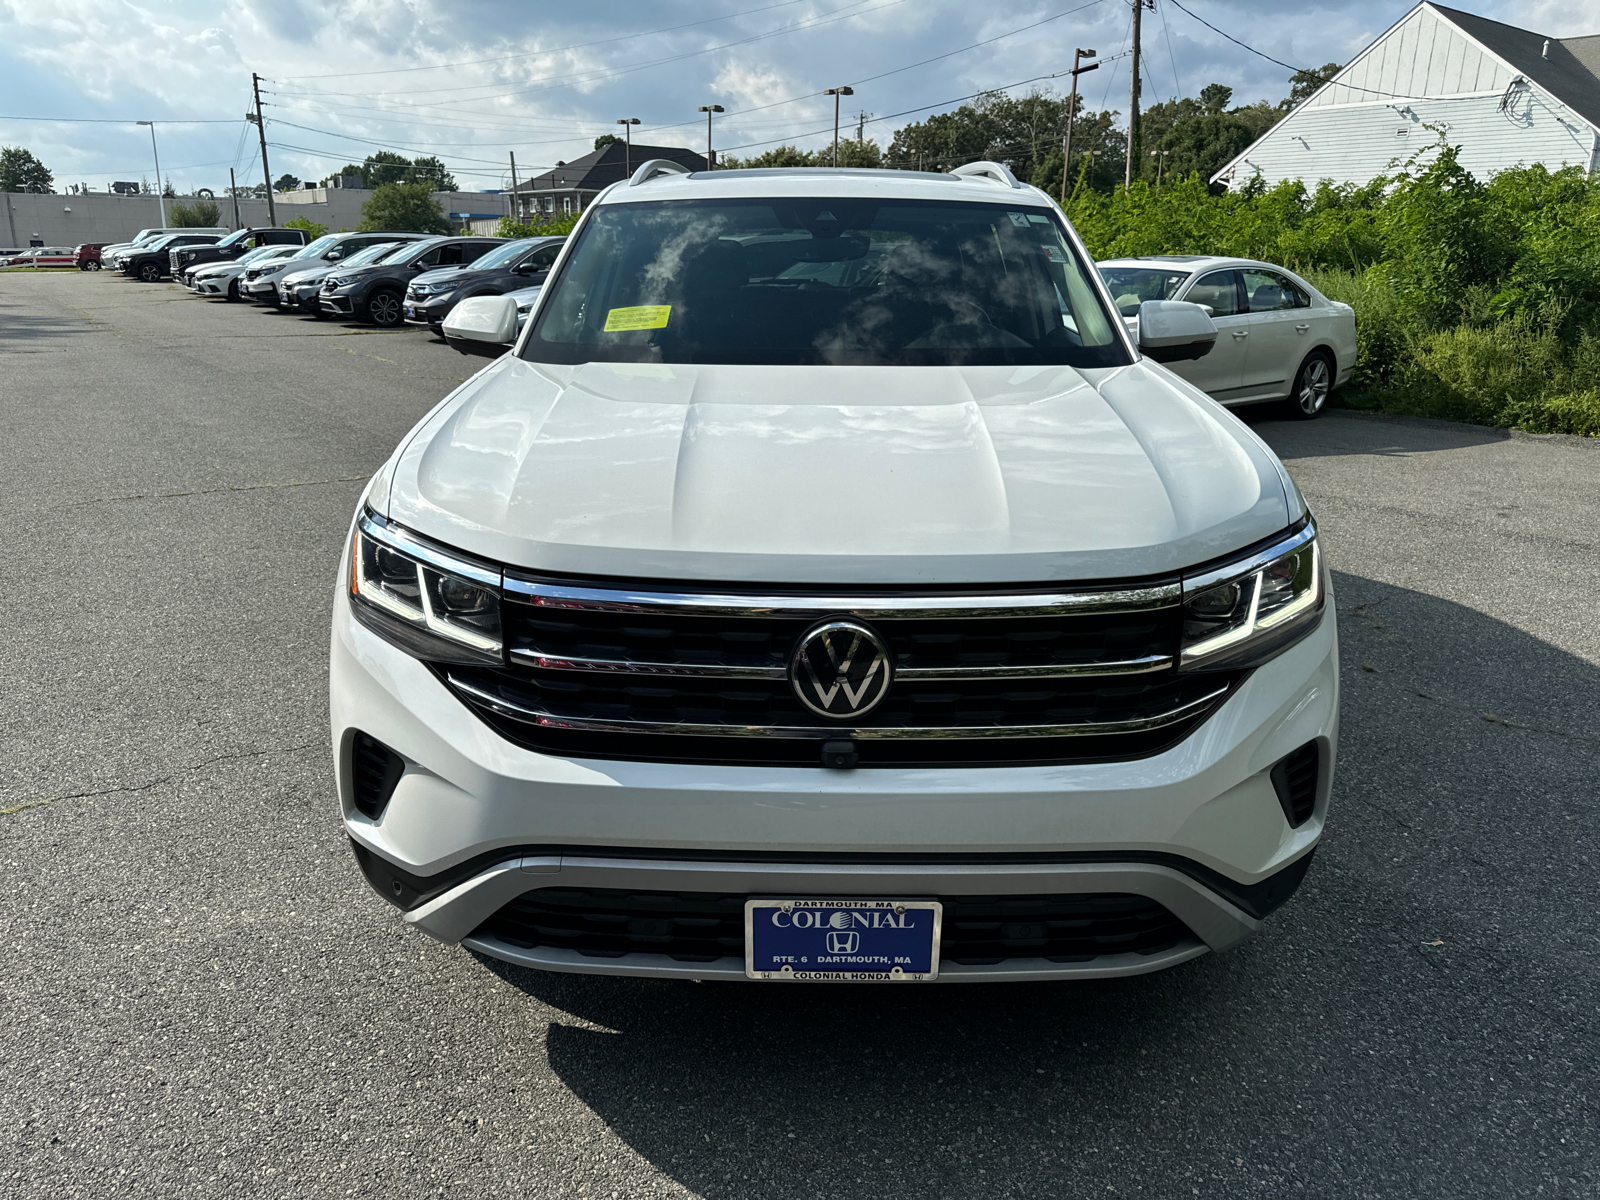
375, 770
1295, 781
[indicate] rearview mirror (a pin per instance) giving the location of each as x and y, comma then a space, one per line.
1175, 330
484, 325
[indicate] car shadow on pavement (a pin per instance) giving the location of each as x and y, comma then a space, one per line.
1434, 978
1340, 432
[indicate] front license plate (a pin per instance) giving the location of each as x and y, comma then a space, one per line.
411, 310
842, 941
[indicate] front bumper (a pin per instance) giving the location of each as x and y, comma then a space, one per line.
211, 286
475, 821
262, 291
341, 304
429, 311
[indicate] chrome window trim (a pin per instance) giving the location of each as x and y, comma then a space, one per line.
925, 607
402, 540
531, 716
1131, 666
1229, 572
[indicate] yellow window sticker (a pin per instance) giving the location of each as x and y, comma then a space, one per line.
647, 316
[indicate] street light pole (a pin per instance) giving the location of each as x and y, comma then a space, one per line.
1072, 111
836, 92
711, 157
627, 124
161, 193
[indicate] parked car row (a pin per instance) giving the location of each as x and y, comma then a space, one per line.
386, 278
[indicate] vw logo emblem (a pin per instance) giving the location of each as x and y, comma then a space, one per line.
840, 669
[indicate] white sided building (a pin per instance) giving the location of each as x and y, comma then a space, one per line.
1506, 96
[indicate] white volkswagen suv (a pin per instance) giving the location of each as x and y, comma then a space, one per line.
826, 587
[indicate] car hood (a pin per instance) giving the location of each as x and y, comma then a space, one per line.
451, 275
818, 475
310, 274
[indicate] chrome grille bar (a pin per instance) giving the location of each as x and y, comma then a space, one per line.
532, 716
925, 607
1131, 666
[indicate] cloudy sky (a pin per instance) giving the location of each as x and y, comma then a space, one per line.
471, 80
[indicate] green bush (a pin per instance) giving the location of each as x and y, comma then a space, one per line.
556, 225
1474, 301
202, 214
313, 229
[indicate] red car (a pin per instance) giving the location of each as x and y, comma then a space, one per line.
89, 255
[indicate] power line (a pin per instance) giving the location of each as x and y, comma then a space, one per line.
116, 121
474, 62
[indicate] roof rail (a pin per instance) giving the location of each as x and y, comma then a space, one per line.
655, 167
988, 170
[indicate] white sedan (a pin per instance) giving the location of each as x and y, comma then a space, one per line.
1278, 338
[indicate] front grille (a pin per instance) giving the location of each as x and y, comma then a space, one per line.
701, 927
999, 680
1295, 780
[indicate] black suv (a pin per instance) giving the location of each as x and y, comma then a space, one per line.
376, 293
523, 263
154, 261
188, 258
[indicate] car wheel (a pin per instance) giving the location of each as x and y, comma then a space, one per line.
384, 308
150, 272
233, 289
1312, 385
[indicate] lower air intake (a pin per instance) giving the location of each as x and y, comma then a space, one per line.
375, 771
1295, 781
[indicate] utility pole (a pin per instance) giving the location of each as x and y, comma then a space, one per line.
233, 190
711, 155
861, 125
516, 201
261, 128
627, 124
1133, 100
1072, 110
836, 92
161, 192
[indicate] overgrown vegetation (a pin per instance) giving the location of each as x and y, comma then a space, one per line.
1475, 301
198, 214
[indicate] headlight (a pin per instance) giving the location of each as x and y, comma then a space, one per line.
428, 602
1242, 614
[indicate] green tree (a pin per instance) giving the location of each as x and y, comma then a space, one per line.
20, 171
348, 169
286, 183
853, 153
558, 224
1202, 145
1304, 84
431, 171
314, 229
781, 156
199, 215
1214, 97
607, 139
384, 166
406, 207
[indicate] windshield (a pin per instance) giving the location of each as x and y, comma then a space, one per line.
259, 252
371, 254
237, 236
501, 256
1132, 286
825, 280
315, 249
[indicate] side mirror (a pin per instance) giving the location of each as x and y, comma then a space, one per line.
333, 256
483, 325
1175, 330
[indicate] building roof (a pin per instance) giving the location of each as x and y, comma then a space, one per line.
602, 167
1569, 71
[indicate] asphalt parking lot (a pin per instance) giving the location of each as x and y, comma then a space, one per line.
202, 998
